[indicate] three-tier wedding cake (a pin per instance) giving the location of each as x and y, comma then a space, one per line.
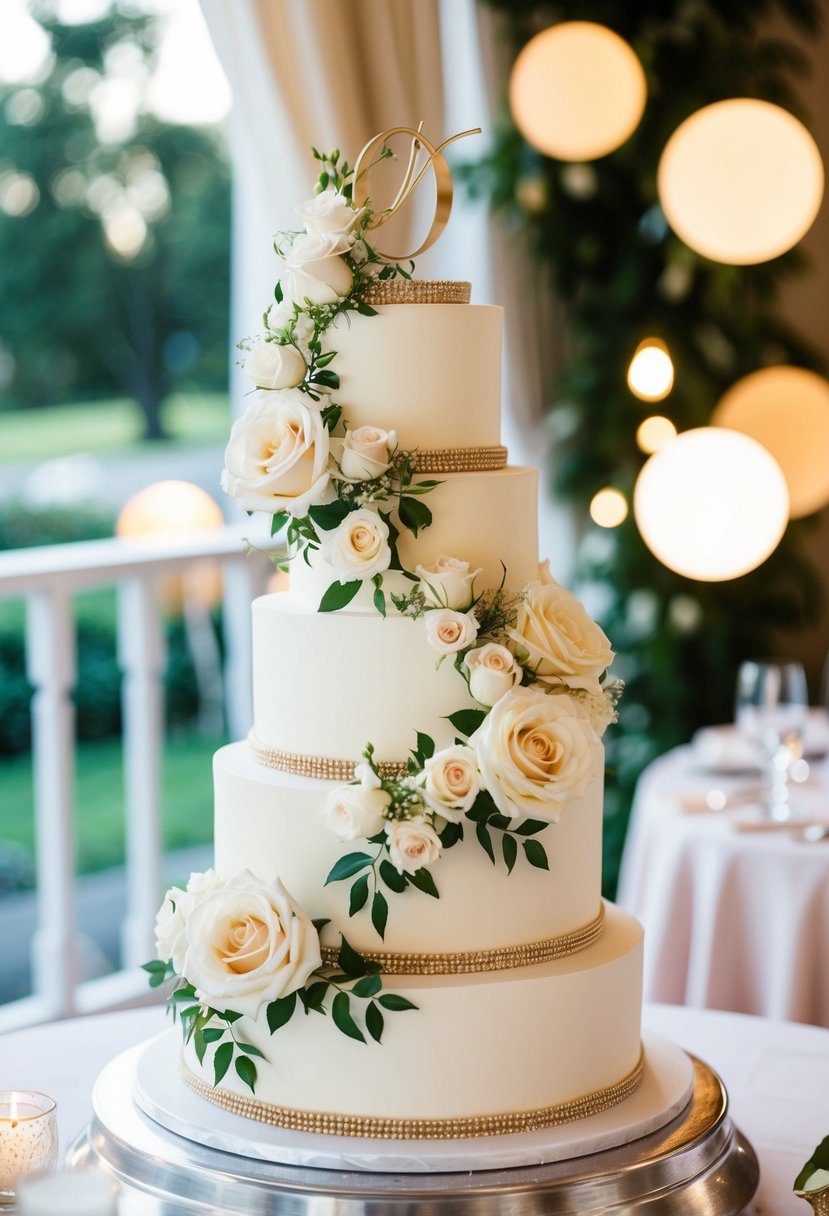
404, 935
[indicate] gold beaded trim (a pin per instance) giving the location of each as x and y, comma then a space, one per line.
323, 767
379, 1128
465, 962
460, 460
417, 291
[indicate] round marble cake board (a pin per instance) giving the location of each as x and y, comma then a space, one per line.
159, 1091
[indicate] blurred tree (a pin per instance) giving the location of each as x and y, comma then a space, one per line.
114, 230
602, 246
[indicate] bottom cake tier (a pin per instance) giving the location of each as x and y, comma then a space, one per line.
485, 1053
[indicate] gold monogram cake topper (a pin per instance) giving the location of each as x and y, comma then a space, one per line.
411, 179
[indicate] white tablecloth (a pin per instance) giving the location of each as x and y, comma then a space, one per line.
777, 1076
734, 919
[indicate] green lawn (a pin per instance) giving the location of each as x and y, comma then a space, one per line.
103, 426
99, 827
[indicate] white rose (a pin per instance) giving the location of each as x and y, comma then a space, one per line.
561, 641
303, 333
536, 752
248, 943
277, 456
279, 314
448, 631
366, 776
316, 272
203, 883
544, 575
328, 212
412, 843
365, 452
451, 781
448, 583
270, 365
493, 671
352, 811
169, 928
358, 547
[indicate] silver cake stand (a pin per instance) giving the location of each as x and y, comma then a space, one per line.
699, 1163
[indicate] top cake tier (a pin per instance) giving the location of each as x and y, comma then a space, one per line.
432, 372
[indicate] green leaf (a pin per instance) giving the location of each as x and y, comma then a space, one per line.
319, 922
347, 866
485, 841
467, 721
393, 1001
423, 880
213, 1034
393, 879
229, 1016
350, 961
330, 515
281, 1011
359, 895
221, 1061
250, 1050
277, 292
156, 965
327, 378
200, 1044
509, 847
451, 834
819, 1160
324, 360
365, 309
499, 822
341, 1013
338, 595
246, 1070
379, 912
157, 979
414, 514
529, 827
374, 1022
536, 854
313, 996
279, 521
369, 985
379, 601
425, 745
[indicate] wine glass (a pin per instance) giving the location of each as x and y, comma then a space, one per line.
772, 703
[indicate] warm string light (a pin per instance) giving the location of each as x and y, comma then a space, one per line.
650, 374
608, 508
577, 91
654, 433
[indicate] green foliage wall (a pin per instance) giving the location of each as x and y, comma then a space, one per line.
602, 246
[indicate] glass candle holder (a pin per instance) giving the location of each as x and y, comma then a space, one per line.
28, 1138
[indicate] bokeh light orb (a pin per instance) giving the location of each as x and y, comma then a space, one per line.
577, 91
712, 504
608, 508
740, 181
654, 433
787, 410
168, 507
651, 371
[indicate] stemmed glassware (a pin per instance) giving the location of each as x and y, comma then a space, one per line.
772, 703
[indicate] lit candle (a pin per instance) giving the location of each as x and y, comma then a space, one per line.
79, 1193
28, 1137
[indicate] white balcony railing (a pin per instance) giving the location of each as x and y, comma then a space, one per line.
48, 578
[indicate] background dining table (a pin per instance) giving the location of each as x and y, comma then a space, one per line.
777, 1077
736, 912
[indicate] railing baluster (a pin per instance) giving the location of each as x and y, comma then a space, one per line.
242, 580
52, 665
141, 656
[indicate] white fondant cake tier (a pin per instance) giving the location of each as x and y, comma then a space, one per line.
431, 371
484, 518
483, 1044
274, 823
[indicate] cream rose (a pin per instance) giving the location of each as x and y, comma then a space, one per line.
560, 640
316, 271
451, 781
279, 314
448, 631
352, 811
448, 583
412, 843
270, 365
170, 942
358, 547
365, 453
536, 752
248, 943
277, 456
493, 671
328, 212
